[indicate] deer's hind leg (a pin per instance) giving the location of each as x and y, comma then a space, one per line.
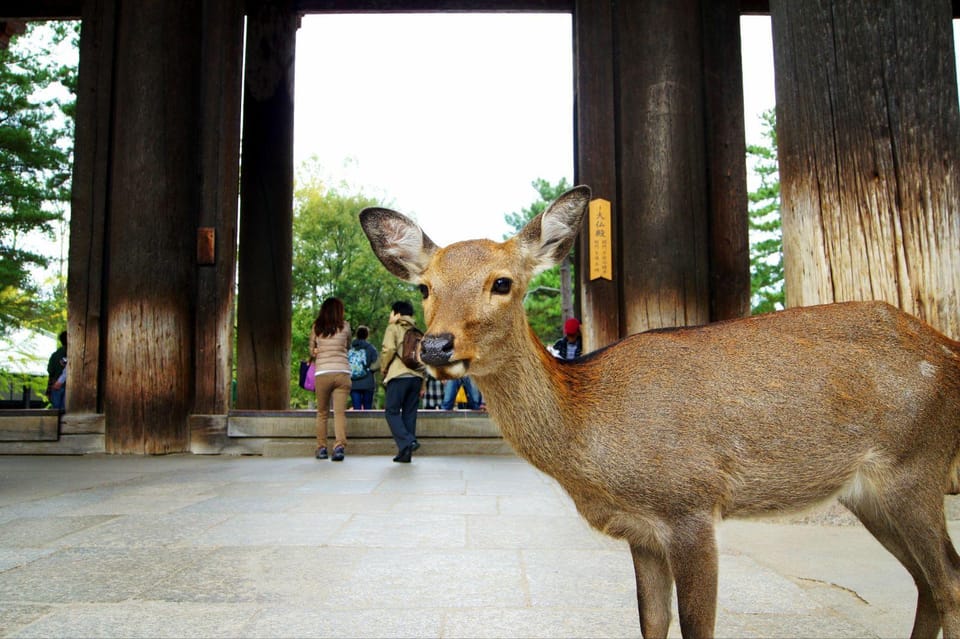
908, 520
654, 590
926, 622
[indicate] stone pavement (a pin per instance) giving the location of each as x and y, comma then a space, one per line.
448, 546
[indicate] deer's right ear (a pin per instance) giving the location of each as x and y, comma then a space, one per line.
547, 238
398, 242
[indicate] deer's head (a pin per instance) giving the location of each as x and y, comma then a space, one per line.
473, 291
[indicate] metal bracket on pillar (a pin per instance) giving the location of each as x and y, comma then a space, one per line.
206, 246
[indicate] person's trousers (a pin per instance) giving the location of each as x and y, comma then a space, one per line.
336, 386
402, 401
450, 388
361, 399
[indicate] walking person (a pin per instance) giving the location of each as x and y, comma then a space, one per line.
404, 386
329, 341
56, 391
364, 360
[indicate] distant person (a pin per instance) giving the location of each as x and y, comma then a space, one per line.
55, 368
364, 360
404, 386
329, 341
570, 346
452, 386
433, 393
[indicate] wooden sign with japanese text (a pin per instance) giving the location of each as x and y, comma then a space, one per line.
601, 240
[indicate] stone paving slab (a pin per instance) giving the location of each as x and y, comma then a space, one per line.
452, 547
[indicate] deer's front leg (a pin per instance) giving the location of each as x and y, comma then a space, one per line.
693, 560
654, 587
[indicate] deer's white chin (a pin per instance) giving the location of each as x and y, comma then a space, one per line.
454, 370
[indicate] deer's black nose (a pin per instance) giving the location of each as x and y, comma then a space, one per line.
436, 349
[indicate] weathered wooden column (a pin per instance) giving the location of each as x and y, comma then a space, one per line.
660, 135
88, 207
868, 133
220, 163
663, 186
151, 227
596, 163
266, 212
726, 151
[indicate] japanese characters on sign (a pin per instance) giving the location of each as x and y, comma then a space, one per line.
601, 241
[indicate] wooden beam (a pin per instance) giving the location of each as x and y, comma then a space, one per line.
755, 7
72, 9
432, 6
41, 9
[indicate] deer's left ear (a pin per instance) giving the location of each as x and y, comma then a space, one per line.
547, 238
398, 242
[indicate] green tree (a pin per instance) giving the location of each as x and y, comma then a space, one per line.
544, 301
766, 238
37, 104
332, 257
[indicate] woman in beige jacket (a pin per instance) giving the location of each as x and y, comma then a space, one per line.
329, 341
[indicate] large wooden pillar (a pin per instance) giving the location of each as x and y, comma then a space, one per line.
869, 143
729, 241
660, 135
596, 162
266, 213
154, 190
220, 173
85, 268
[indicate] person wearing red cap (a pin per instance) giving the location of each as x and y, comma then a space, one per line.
570, 346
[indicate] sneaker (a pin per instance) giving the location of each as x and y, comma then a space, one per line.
322, 452
337, 454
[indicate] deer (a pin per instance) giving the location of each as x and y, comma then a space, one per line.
660, 436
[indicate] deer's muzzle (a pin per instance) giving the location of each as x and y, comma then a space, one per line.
436, 349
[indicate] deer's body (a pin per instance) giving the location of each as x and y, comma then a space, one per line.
715, 412
663, 433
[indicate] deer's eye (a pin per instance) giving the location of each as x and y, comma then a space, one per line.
501, 286
424, 291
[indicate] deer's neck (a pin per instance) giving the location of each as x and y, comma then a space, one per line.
525, 398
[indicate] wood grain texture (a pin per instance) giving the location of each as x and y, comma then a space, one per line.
869, 136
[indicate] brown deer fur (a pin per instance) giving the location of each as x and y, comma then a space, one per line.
661, 435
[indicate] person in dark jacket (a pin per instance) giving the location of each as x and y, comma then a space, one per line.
570, 346
362, 388
55, 367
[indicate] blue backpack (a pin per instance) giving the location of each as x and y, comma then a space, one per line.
358, 362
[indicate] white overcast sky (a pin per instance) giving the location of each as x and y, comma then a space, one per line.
450, 117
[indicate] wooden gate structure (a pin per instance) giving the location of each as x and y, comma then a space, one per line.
165, 222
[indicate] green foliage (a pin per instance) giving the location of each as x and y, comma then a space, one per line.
332, 258
766, 238
36, 142
543, 300
12, 384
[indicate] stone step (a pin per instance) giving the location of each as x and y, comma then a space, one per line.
293, 433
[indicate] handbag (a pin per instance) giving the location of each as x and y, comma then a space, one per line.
307, 379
